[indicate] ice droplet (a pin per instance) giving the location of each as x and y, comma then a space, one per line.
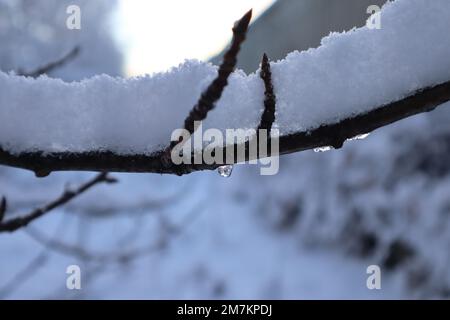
225, 171
323, 149
360, 136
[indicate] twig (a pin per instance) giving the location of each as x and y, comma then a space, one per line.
52, 65
3, 206
38, 262
168, 229
214, 91
20, 222
24, 274
268, 116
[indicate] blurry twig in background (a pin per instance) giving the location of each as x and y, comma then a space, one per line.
14, 224
52, 65
3, 208
32, 266
23, 275
167, 229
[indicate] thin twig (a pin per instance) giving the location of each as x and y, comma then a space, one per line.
24, 274
169, 229
214, 91
3, 206
268, 116
21, 222
38, 262
52, 65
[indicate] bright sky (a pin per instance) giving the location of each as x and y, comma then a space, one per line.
159, 34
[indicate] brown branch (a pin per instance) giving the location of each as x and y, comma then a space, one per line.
52, 65
21, 222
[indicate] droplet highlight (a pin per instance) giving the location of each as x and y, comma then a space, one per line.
323, 149
360, 137
225, 171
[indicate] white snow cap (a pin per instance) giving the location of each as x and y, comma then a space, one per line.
350, 73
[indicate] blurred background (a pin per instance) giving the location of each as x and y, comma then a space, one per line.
309, 232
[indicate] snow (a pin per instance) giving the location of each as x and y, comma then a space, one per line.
349, 74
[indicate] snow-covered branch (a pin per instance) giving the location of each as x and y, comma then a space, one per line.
328, 135
354, 83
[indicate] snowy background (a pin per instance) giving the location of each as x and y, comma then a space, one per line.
309, 232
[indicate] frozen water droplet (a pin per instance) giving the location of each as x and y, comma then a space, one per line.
225, 171
360, 136
323, 149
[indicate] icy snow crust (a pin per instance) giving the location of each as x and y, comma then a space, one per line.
350, 73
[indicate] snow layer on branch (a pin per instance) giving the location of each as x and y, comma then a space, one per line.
349, 74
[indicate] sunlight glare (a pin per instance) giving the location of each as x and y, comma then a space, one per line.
160, 34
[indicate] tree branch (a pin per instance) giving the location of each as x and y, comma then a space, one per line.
327, 135
52, 65
20, 222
